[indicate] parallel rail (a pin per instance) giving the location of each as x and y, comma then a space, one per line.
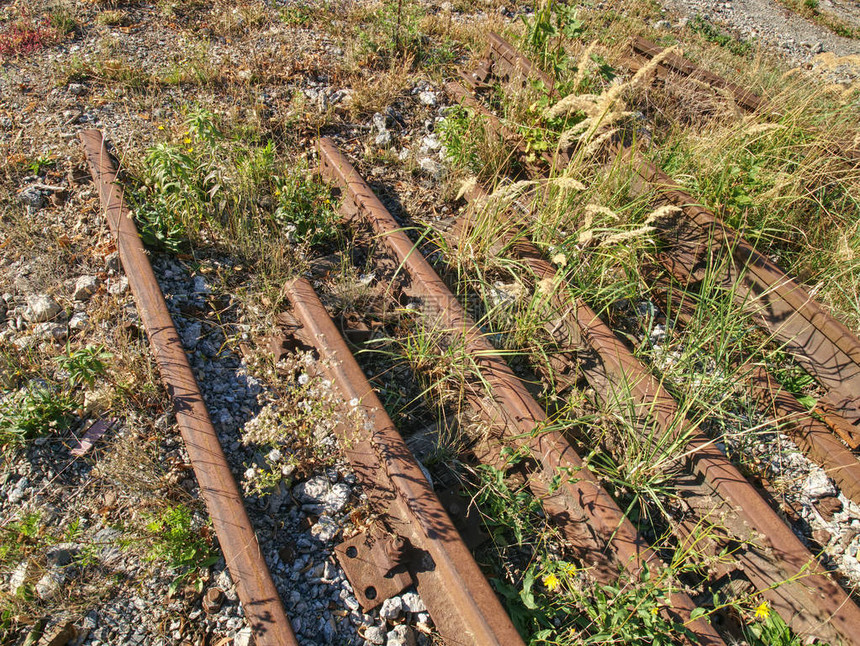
644, 50
836, 614
585, 513
414, 542
263, 608
823, 345
458, 597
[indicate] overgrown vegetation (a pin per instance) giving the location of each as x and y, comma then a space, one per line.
231, 184
782, 181
715, 35
813, 10
176, 540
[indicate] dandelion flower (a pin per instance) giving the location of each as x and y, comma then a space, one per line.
762, 611
187, 140
551, 582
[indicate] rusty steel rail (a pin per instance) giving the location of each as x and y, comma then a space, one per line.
824, 346
793, 581
586, 514
236, 536
644, 50
678, 64
457, 595
612, 369
814, 436
811, 434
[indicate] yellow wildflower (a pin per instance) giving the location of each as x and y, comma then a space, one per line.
569, 569
161, 127
762, 611
551, 582
654, 611
189, 150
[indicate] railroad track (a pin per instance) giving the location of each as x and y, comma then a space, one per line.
414, 541
392, 554
823, 345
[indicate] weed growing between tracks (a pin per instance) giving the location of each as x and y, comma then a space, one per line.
208, 185
764, 176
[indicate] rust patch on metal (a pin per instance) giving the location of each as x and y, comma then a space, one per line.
368, 564
824, 346
680, 65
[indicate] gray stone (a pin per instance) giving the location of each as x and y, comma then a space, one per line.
112, 261
223, 580
380, 122
337, 498
412, 602
85, 287
383, 139
62, 554
244, 637
119, 287
341, 96
818, 485
329, 571
49, 331
375, 635
432, 168
430, 144
325, 529
32, 197
191, 335
391, 609
314, 490
400, 635
77, 89
79, 321
427, 97
201, 286
41, 307
59, 634
19, 576
50, 584
18, 491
